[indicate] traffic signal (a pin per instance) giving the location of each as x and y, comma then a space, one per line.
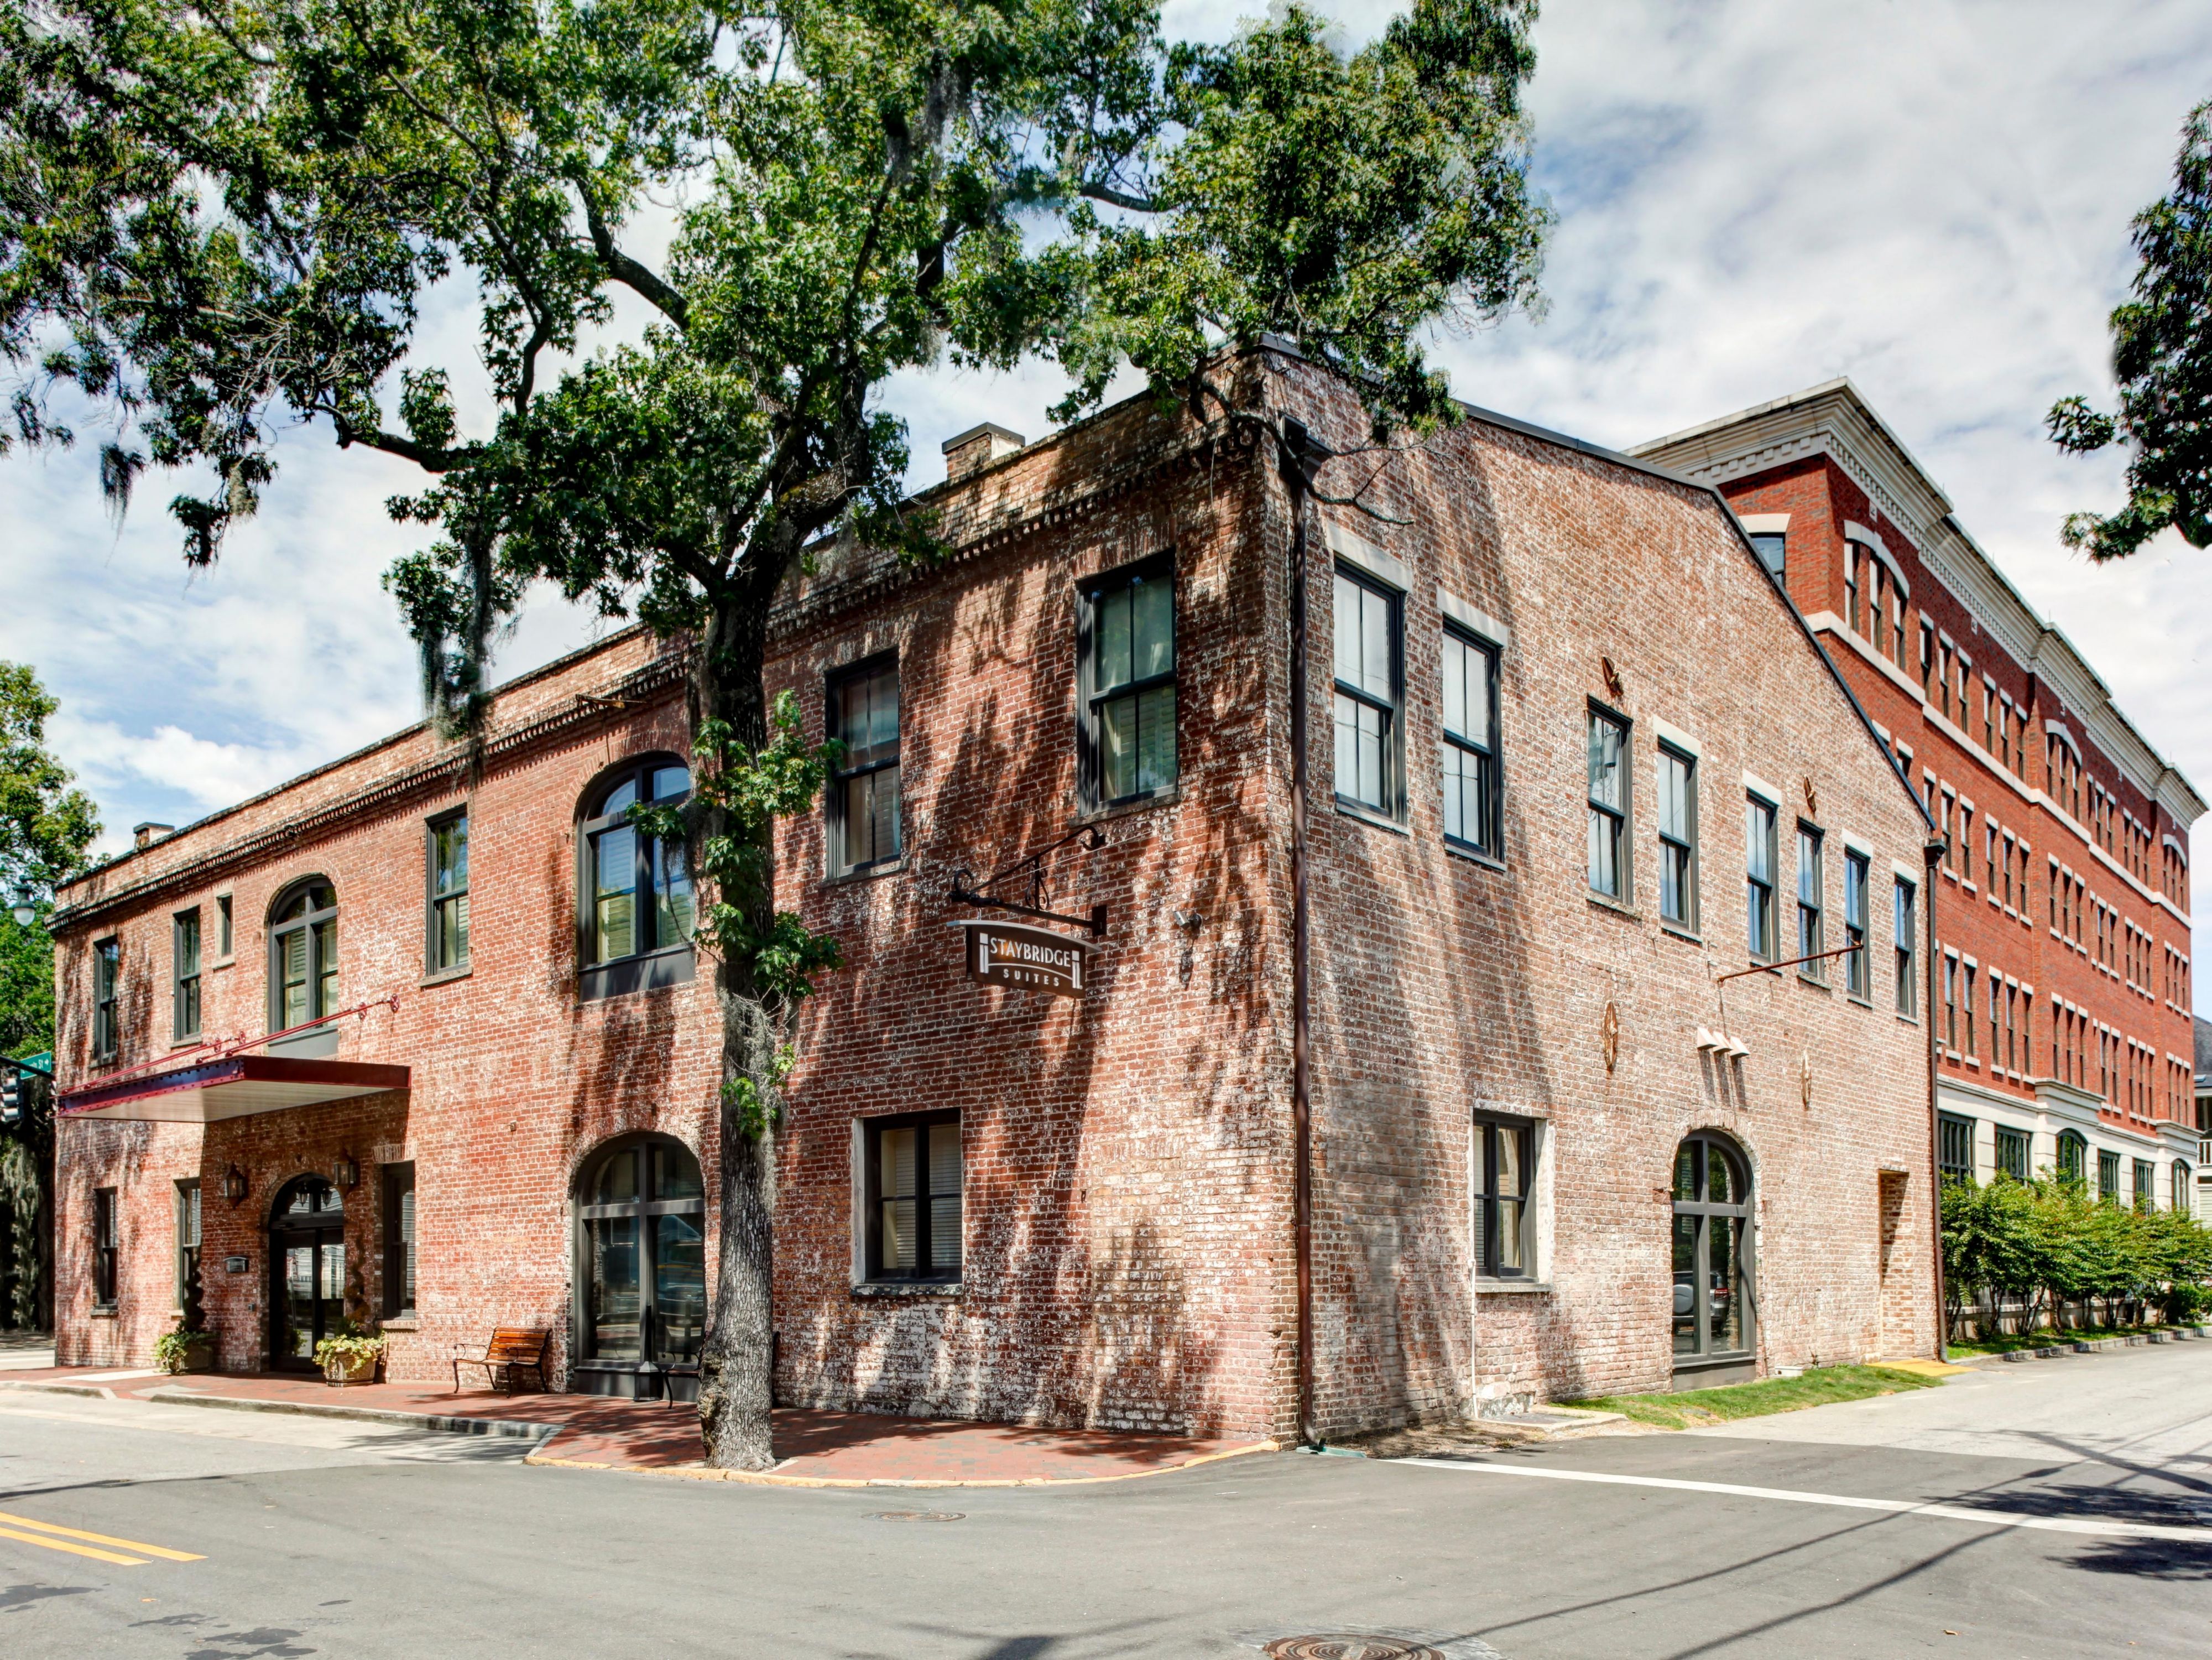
11, 1096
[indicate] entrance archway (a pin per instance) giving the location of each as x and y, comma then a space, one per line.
641, 1269
1714, 1301
307, 1271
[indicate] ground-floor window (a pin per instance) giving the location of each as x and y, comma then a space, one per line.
188, 1254
2181, 1194
913, 1169
399, 1241
642, 1249
306, 1256
1504, 1169
2012, 1152
1956, 1151
104, 1257
1712, 1250
2073, 1156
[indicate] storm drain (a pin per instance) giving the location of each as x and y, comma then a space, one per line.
1377, 1644
917, 1516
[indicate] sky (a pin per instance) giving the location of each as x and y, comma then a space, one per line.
1931, 196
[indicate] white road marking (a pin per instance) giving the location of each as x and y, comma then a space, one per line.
1996, 1518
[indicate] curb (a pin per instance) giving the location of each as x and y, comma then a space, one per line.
516, 1428
95, 1390
2092, 1345
770, 1478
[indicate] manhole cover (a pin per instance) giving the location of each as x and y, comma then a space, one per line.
1350, 1645
917, 1516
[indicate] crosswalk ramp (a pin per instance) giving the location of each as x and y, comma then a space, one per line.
99, 1547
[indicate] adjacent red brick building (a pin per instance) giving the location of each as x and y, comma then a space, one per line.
2063, 999
1404, 1082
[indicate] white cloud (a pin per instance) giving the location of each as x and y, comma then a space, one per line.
1932, 198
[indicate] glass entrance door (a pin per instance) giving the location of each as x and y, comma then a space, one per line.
1712, 1313
306, 1262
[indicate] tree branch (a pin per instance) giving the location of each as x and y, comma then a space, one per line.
627, 270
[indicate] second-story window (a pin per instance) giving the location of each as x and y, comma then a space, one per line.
106, 978
448, 926
303, 956
1127, 637
1809, 910
1472, 790
1758, 877
185, 974
864, 791
1858, 973
1608, 805
1678, 836
1368, 690
1904, 912
638, 891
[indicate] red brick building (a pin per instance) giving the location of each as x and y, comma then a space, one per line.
1474, 1121
2063, 1000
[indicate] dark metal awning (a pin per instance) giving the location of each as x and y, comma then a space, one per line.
234, 1087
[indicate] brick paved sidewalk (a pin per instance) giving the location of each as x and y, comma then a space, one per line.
591, 1431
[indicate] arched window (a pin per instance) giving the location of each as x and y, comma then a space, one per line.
1712, 1251
2073, 1156
303, 958
635, 889
641, 1265
2182, 1194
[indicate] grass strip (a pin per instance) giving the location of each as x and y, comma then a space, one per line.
1819, 1386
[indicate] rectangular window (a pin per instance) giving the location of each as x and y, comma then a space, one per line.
188, 1254
1859, 972
1950, 1027
2108, 1176
1967, 1005
2142, 1184
222, 936
185, 974
1504, 1222
864, 716
2012, 1152
1678, 836
1852, 614
913, 1174
1904, 912
107, 975
1608, 805
1772, 548
1369, 686
446, 929
1811, 885
1472, 790
1758, 877
1127, 643
104, 1257
398, 1241
1956, 1162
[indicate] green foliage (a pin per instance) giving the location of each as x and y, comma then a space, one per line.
2049, 1238
2162, 359
173, 1349
352, 1346
45, 824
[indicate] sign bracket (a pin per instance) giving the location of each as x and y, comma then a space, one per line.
967, 891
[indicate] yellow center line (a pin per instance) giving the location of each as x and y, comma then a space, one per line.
75, 1550
162, 1551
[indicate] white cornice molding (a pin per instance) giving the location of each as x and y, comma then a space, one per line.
1833, 420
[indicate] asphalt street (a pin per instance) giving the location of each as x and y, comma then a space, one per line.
2072, 1515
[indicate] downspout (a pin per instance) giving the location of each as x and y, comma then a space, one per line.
1931, 857
1290, 461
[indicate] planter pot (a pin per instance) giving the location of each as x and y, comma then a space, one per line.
200, 1356
341, 1370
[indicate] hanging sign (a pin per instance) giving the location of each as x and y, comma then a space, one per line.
1035, 959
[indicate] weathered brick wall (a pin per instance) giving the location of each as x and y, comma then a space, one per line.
1443, 985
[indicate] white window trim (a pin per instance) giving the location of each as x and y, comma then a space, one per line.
1358, 550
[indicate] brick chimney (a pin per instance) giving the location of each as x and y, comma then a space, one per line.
145, 835
977, 448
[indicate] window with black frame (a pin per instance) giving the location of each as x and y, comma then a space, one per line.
1678, 836
106, 980
2108, 1176
642, 1245
1608, 805
104, 1258
2012, 1152
1128, 646
1758, 877
303, 955
398, 1241
1368, 683
447, 930
188, 1254
637, 885
1955, 1148
2142, 1184
1713, 1219
864, 788
2073, 1156
913, 1180
1904, 908
1504, 1220
1811, 914
1858, 971
1472, 787
185, 974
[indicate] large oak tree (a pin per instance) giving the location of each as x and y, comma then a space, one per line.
215, 218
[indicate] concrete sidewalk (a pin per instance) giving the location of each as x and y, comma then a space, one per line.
813, 1448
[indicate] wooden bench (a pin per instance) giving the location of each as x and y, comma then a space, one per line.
512, 1349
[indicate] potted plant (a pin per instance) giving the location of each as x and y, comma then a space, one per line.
185, 1350
350, 1355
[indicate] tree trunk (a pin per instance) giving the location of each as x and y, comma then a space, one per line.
736, 1379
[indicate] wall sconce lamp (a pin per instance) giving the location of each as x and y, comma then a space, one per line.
345, 1170
233, 1185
